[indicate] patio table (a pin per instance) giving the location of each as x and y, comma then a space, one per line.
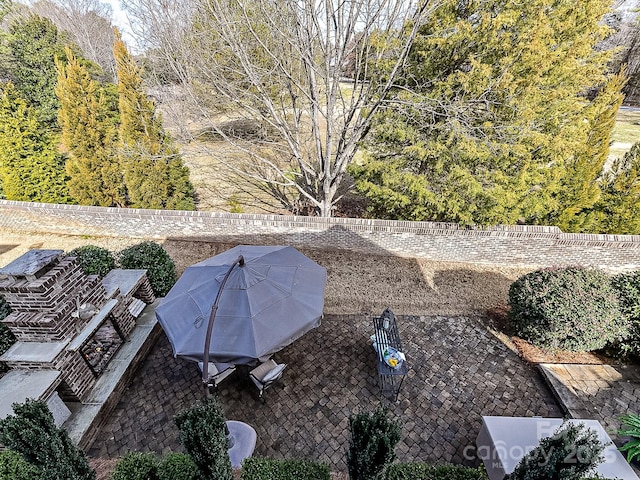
242, 442
391, 378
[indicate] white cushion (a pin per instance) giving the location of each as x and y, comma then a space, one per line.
212, 368
274, 373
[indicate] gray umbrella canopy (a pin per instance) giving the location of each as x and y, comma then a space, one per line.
267, 303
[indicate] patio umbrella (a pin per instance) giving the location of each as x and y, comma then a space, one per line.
265, 301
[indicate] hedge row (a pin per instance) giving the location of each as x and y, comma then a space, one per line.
577, 309
147, 466
255, 468
426, 471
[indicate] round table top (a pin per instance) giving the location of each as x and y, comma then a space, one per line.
243, 441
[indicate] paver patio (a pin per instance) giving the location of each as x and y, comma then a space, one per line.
459, 372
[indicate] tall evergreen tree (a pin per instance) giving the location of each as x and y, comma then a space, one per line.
33, 44
491, 113
619, 205
154, 173
30, 167
89, 134
581, 184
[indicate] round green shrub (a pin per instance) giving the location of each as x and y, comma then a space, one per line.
372, 443
570, 308
13, 466
178, 466
627, 285
136, 466
202, 432
152, 257
94, 260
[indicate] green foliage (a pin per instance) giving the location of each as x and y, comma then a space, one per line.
620, 202
13, 466
30, 168
569, 454
33, 44
570, 308
627, 285
426, 471
492, 115
154, 174
178, 466
581, 183
94, 260
373, 438
202, 432
161, 270
632, 447
32, 433
254, 468
136, 466
89, 134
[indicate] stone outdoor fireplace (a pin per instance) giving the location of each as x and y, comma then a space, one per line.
67, 324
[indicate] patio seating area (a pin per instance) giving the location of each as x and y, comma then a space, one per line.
458, 373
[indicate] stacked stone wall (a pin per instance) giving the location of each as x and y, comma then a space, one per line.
501, 245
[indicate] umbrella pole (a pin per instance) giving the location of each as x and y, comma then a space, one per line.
212, 317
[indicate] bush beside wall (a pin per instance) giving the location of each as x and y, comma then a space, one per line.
426, 471
151, 256
255, 468
570, 308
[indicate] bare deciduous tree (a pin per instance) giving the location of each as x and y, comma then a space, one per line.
280, 65
88, 22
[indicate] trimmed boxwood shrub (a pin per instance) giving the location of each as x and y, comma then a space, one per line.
627, 285
371, 444
94, 260
151, 256
13, 466
426, 471
572, 452
136, 466
255, 468
202, 432
33, 433
178, 466
570, 308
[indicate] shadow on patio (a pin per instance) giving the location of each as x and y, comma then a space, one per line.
459, 372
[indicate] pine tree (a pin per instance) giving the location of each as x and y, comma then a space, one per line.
154, 173
620, 202
581, 183
30, 168
491, 113
33, 44
89, 135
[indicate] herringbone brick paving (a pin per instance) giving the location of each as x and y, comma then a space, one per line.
459, 372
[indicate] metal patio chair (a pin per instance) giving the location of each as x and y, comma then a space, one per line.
265, 374
218, 372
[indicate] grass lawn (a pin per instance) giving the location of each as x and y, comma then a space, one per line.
625, 133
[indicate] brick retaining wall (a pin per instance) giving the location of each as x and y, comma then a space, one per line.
501, 245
